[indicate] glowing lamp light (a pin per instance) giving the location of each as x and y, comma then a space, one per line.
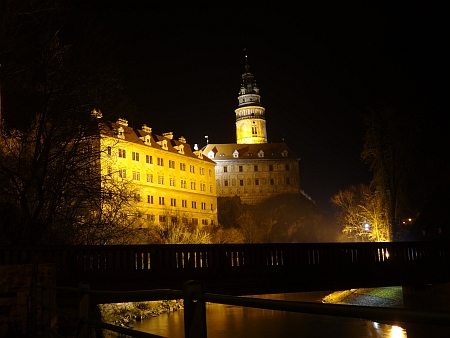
366, 226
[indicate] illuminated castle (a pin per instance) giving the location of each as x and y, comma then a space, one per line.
172, 183
252, 168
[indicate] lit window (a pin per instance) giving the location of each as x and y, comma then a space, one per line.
136, 176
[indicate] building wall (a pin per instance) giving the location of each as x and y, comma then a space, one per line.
255, 180
167, 184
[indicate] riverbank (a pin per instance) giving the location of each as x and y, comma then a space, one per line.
382, 297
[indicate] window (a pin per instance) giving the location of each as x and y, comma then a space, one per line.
135, 156
241, 183
183, 184
195, 221
225, 183
183, 166
233, 182
225, 169
193, 187
162, 218
123, 173
212, 207
149, 199
171, 164
254, 130
255, 168
203, 206
160, 179
272, 181
149, 159
204, 221
161, 200
194, 205
210, 172
172, 182
136, 176
241, 168
108, 151
184, 203
160, 161
173, 202
286, 167
150, 218
288, 181
150, 178
210, 188
122, 153
270, 167
137, 197
256, 181
192, 169
202, 171
202, 187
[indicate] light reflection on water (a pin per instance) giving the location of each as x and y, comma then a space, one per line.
225, 321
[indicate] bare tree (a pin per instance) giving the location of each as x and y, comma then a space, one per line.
55, 71
362, 214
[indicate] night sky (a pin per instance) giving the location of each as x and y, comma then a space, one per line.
318, 70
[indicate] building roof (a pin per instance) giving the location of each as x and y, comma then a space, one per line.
233, 151
138, 136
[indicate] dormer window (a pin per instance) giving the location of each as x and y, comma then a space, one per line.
120, 133
260, 153
211, 154
284, 153
180, 149
235, 154
147, 140
163, 144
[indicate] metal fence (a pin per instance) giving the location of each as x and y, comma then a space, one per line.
195, 310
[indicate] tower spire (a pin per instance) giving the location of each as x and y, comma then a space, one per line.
250, 115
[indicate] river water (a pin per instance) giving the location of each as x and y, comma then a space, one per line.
225, 321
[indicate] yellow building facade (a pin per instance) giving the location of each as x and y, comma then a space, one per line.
171, 182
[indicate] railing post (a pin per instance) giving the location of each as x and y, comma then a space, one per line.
194, 311
46, 316
83, 310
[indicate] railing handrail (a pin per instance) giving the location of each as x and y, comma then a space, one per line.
195, 313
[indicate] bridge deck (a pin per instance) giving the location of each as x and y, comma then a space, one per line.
243, 268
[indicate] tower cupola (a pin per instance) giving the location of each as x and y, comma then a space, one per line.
250, 118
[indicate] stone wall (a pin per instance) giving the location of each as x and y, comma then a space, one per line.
16, 304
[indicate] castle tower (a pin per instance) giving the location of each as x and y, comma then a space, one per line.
250, 118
